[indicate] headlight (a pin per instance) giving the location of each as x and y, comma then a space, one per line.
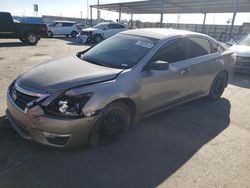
69, 106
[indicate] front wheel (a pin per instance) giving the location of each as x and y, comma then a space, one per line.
31, 38
113, 123
218, 86
22, 39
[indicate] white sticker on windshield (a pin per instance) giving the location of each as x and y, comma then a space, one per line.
144, 44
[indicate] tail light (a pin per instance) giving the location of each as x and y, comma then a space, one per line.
46, 29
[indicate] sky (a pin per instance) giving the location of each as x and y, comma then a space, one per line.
74, 8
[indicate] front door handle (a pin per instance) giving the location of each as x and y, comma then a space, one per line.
186, 70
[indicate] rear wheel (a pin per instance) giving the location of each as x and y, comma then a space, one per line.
218, 86
113, 123
31, 38
50, 34
73, 34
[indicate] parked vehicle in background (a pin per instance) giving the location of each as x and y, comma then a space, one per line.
27, 33
81, 26
236, 38
242, 50
100, 32
95, 95
67, 28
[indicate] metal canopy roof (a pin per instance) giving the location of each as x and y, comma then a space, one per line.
176, 6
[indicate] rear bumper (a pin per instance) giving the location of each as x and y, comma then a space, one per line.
49, 130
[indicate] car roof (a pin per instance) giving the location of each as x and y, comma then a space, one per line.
60, 21
160, 33
111, 23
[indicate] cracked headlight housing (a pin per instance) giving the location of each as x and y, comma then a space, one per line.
69, 106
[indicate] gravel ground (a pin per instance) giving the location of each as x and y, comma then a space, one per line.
199, 144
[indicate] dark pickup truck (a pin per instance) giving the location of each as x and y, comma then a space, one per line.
27, 33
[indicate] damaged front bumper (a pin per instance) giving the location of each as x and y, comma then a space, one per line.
83, 38
47, 129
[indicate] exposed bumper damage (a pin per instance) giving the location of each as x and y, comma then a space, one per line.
34, 124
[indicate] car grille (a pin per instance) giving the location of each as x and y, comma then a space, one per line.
21, 99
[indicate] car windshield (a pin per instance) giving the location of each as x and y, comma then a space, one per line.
16, 21
245, 41
52, 24
100, 26
120, 51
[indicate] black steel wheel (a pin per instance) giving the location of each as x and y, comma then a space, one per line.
112, 124
218, 86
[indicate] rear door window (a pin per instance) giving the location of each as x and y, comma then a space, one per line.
67, 24
199, 47
112, 26
117, 26
58, 24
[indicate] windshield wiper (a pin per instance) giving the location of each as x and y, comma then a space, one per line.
93, 61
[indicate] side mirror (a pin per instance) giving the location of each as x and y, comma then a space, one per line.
159, 65
105, 28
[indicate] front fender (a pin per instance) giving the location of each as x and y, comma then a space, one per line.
105, 93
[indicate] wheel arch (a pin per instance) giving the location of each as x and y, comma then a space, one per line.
223, 71
129, 103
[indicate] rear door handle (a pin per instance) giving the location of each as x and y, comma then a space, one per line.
186, 70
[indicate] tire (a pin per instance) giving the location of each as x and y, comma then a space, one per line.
50, 34
31, 38
98, 39
218, 86
22, 39
73, 34
111, 126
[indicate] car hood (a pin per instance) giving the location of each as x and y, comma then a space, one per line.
90, 29
66, 73
241, 50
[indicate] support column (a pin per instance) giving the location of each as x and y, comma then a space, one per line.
236, 6
131, 21
120, 13
204, 21
91, 18
98, 12
162, 13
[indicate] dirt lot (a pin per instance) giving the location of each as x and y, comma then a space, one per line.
199, 144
